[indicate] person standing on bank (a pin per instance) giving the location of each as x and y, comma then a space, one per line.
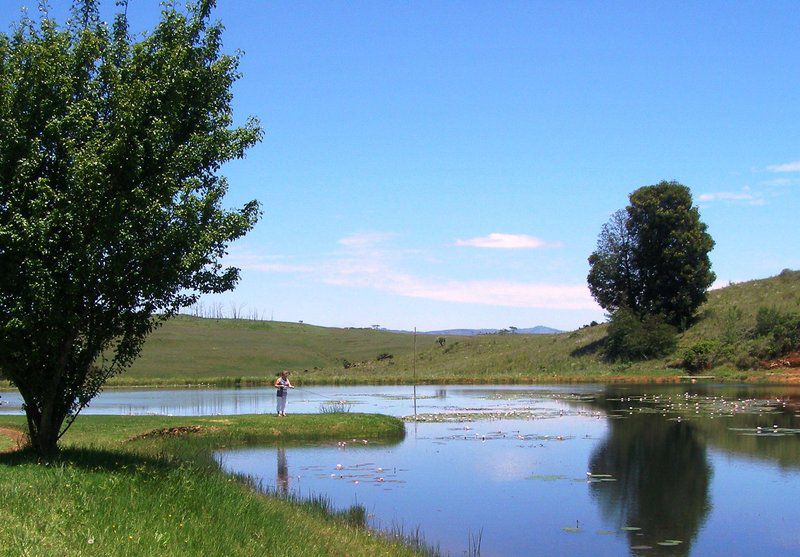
282, 386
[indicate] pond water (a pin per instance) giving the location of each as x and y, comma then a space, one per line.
585, 470
542, 470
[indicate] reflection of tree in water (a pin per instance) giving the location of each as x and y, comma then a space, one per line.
662, 482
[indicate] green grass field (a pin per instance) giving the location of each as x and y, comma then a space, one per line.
196, 350
115, 493
190, 350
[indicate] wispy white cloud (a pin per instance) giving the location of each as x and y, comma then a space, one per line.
364, 263
745, 196
497, 240
376, 269
485, 292
250, 261
365, 239
780, 182
793, 166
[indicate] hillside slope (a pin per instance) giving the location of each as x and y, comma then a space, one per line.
191, 350
729, 312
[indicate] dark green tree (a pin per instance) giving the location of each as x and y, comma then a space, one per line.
657, 263
634, 337
670, 253
611, 275
111, 215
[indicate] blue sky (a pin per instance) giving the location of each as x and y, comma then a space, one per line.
450, 164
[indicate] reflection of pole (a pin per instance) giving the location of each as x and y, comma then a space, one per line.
283, 473
414, 365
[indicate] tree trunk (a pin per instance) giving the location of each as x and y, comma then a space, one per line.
44, 429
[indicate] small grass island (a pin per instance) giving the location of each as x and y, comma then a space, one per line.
148, 485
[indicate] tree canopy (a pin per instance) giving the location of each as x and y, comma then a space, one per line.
111, 214
652, 258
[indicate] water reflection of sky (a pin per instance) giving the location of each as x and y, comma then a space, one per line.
392, 400
451, 481
528, 495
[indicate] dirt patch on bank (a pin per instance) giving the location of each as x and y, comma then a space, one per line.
789, 360
177, 431
18, 439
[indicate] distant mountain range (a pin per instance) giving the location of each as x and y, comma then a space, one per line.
538, 330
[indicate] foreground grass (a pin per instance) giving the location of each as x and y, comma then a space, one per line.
115, 493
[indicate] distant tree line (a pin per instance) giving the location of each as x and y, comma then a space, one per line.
232, 310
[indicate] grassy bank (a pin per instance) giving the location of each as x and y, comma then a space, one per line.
147, 485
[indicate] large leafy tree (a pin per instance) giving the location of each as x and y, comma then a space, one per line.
111, 215
653, 257
611, 273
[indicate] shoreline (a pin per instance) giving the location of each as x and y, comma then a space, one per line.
785, 377
149, 485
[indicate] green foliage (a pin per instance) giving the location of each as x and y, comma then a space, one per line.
653, 258
611, 274
778, 332
700, 356
111, 215
631, 337
732, 328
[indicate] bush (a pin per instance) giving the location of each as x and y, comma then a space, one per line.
777, 333
700, 356
746, 361
631, 337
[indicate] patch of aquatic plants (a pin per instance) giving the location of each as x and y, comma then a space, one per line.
688, 405
478, 414
364, 472
628, 530
335, 407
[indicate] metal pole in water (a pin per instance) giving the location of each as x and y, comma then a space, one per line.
414, 366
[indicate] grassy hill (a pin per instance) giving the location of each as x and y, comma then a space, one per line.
194, 350
729, 313
197, 350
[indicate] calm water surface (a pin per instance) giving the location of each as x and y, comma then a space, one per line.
565, 470
569, 471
